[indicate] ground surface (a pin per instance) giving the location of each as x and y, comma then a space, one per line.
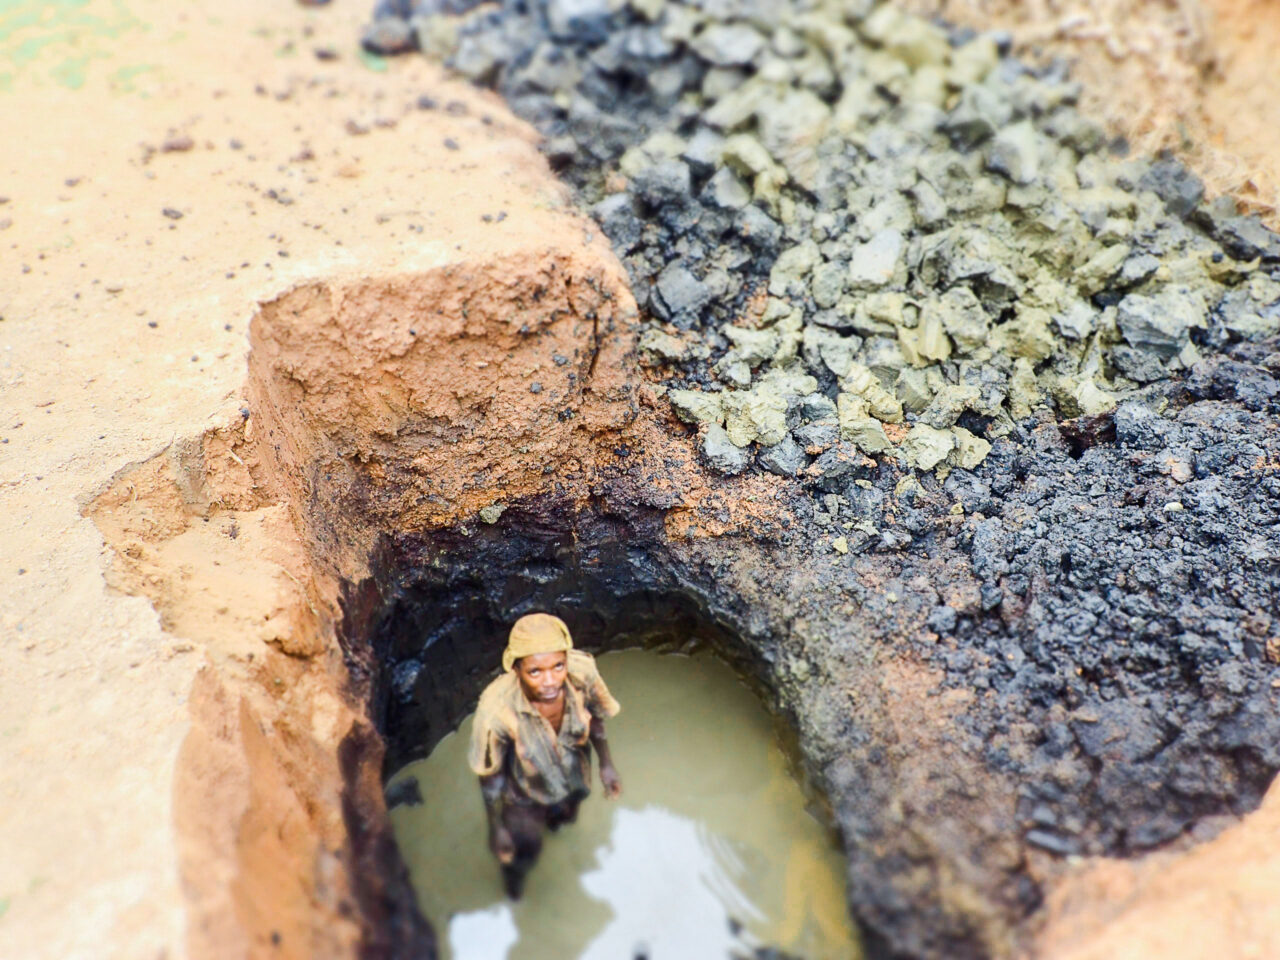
337, 172
124, 329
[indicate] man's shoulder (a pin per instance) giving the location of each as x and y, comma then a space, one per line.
582, 667
498, 693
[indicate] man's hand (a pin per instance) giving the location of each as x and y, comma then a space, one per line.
611, 782
503, 847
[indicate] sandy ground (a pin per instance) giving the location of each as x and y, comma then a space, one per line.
162, 171
1193, 76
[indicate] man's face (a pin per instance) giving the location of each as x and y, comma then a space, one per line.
542, 676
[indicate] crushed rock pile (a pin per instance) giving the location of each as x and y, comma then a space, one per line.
859, 233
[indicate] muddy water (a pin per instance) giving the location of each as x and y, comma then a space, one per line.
709, 853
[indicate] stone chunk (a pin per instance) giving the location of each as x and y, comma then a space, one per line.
663, 346
970, 449
867, 432
696, 407
948, 403
876, 262
586, 21
786, 458
726, 190
1015, 153
924, 447
828, 284
752, 346
722, 455
791, 127
1160, 324
728, 45
681, 296
863, 383
962, 317
926, 343
1179, 188
665, 182
753, 415
389, 36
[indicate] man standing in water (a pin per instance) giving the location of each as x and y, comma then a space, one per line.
529, 744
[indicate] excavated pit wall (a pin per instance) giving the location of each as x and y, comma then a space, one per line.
416, 487
969, 727
899, 268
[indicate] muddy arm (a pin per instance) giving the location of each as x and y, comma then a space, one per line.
500, 841
608, 773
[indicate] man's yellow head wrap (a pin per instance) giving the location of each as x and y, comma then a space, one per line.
533, 634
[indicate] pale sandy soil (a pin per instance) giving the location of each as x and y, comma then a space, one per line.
124, 331
1193, 76
124, 335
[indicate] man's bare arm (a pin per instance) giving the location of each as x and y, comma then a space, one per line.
608, 773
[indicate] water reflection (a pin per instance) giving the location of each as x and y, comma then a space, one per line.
709, 853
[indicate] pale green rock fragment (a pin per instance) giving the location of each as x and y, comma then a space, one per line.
663, 345
914, 41
663, 145
736, 108
747, 155
789, 330
926, 344
972, 62
789, 380
1024, 390
493, 512
751, 346
913, 390
858, 427
924, 448
857, 106
883, 357
755, 415
948, 403
696, 407
733, 372
861, 382
962, 317
970, 449
928, 85
877, 262
833, 350
1091, 399
1015, 152
1101, 267
1076, 322
728, 44
793, 265
828, 284
776, 308
791, 127
1027, 335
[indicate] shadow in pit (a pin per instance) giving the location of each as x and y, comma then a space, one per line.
425, 633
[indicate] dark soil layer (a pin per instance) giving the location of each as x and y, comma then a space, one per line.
1069, 646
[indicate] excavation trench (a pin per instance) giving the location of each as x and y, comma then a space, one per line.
748, 867
464, 445
422, 457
